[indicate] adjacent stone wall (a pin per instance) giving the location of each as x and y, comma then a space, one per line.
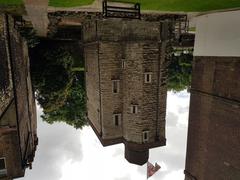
25, 102
6, 88
9, 148
20, 70
214, 124
92, 84
9, 118
213, 138
128, 30
218, 76
18, 123
90, 31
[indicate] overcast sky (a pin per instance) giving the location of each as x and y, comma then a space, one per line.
64, 153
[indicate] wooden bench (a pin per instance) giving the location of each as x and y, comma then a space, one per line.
121, 10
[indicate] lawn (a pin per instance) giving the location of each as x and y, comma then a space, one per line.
11, 2
186, 5
162, 5
69, 3
12, 6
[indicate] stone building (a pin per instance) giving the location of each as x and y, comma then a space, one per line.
18, 125
6, 88
126, 83
214, 119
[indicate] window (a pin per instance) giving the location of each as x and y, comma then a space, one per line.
148, 77
145, 136
117, 119
134, 109
115, 86
123, 64
3, 170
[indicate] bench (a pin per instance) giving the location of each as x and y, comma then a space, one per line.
121, 10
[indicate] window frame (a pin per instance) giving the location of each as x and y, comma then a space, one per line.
148, 75
3, 172
145, 133
117, 86
134, 106
119, 115
123, 64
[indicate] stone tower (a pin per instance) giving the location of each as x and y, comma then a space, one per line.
126, 83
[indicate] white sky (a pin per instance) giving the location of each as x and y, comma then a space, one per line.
65, 153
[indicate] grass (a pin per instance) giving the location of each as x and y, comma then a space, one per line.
69, 3
186, 5
12, 6
160, 5
193, 29
78, 69
10, 2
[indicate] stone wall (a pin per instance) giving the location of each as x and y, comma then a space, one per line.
214, 124
140, 58
20, 80
9, 118
18, 123
6, 88
92, 84
9, 148
115, 29
24, 97
133, 42
218, 76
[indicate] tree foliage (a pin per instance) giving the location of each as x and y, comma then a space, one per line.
59, 90
180, 69
73, 110
30, 36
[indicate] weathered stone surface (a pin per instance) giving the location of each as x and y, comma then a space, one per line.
18, 124
93, 92
124, 50
6, 88
219, 76
214, 124
9, 148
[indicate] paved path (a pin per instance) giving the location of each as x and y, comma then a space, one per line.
37, 11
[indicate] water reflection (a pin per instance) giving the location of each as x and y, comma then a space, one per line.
112, 74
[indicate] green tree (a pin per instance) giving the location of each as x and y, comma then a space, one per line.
59, 89
73, 110
179, 72
30, 36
